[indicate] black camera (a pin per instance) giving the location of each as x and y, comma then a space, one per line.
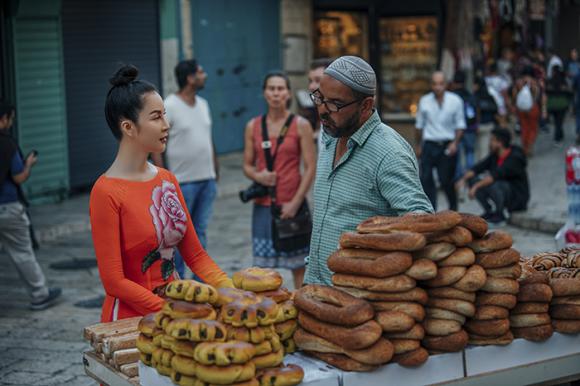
254, 191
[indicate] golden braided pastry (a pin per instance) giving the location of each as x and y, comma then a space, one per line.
145, 344
269, 345
191, 291
286, 311
253, 335
286, 329
288, 375
178, 309
228, 295
147, 324
272, 359
226, 375
224, 353
184, 365
257, 279
289, 346
196, 330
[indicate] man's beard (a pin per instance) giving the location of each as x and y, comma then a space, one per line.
346, 130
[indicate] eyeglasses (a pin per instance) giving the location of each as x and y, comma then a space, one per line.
333, 107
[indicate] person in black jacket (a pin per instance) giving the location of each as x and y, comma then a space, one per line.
500, 180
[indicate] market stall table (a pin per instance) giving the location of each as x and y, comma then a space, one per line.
104, 373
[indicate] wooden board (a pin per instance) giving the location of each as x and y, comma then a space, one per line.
104, 373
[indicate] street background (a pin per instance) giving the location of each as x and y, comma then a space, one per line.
46, 347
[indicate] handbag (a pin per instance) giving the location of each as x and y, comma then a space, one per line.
289, 234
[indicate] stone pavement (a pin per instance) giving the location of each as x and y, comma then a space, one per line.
44, 347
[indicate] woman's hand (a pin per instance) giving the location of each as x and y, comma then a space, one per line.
472, 192
266, 178
289, 210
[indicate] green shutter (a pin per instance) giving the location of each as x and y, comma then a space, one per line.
40, 103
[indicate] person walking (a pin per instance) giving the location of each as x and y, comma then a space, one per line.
190, 153
137, 210
527, 96
14, 221
366, 169
559, 97
289, 142
440, 125
466, 151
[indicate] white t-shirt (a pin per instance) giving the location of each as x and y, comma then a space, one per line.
189, 151
439, 123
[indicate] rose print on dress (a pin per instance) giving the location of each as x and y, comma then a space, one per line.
170, 221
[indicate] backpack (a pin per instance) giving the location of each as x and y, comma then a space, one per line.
524, 99
486, 102
469, 108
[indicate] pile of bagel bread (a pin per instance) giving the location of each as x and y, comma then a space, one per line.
562, 270
204, 335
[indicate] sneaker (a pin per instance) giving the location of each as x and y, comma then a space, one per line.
49, 301
496, 220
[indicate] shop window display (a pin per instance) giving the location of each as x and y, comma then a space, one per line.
408, 47
340, 33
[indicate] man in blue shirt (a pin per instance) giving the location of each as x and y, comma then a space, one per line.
14, 222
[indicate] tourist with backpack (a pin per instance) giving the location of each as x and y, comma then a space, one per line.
526, 95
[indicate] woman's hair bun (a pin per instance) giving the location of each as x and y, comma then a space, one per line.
124, 75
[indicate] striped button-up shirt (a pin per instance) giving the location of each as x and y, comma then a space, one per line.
378, 175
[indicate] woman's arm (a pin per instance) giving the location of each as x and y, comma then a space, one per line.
195, 256
105, 224
308, 153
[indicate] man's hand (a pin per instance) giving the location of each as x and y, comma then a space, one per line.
289, 210
266, 178
460, 184
31, 160
451, 149
418, 151
472, 192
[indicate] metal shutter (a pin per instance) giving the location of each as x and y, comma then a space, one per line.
98, 35
40, 102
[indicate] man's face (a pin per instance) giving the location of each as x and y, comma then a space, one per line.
438, 84
198, 78
344, 122
314, 78
6, 121
494, 145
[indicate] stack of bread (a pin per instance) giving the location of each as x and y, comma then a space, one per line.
565, 305
530, 319
339, 329
491, 324
376, 264
268, 283
452, 291
562, 271
186, 342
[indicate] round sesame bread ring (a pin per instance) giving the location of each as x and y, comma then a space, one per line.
418, 295
412, 222
498, 259
257, 279
435, 251
353, 338
366, 262
397, 241
332, 305
398, 283
493, 241
474, 224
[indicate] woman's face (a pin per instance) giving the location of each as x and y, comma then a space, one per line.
152, 127
276, 92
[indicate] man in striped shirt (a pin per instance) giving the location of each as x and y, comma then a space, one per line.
367, 168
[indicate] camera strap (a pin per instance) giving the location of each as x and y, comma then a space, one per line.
267, 145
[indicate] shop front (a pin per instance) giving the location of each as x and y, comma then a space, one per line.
402, 41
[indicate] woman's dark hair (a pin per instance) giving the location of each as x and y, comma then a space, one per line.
125, 98
276, 73
183, 70
558, 80
5, 108
502, 135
